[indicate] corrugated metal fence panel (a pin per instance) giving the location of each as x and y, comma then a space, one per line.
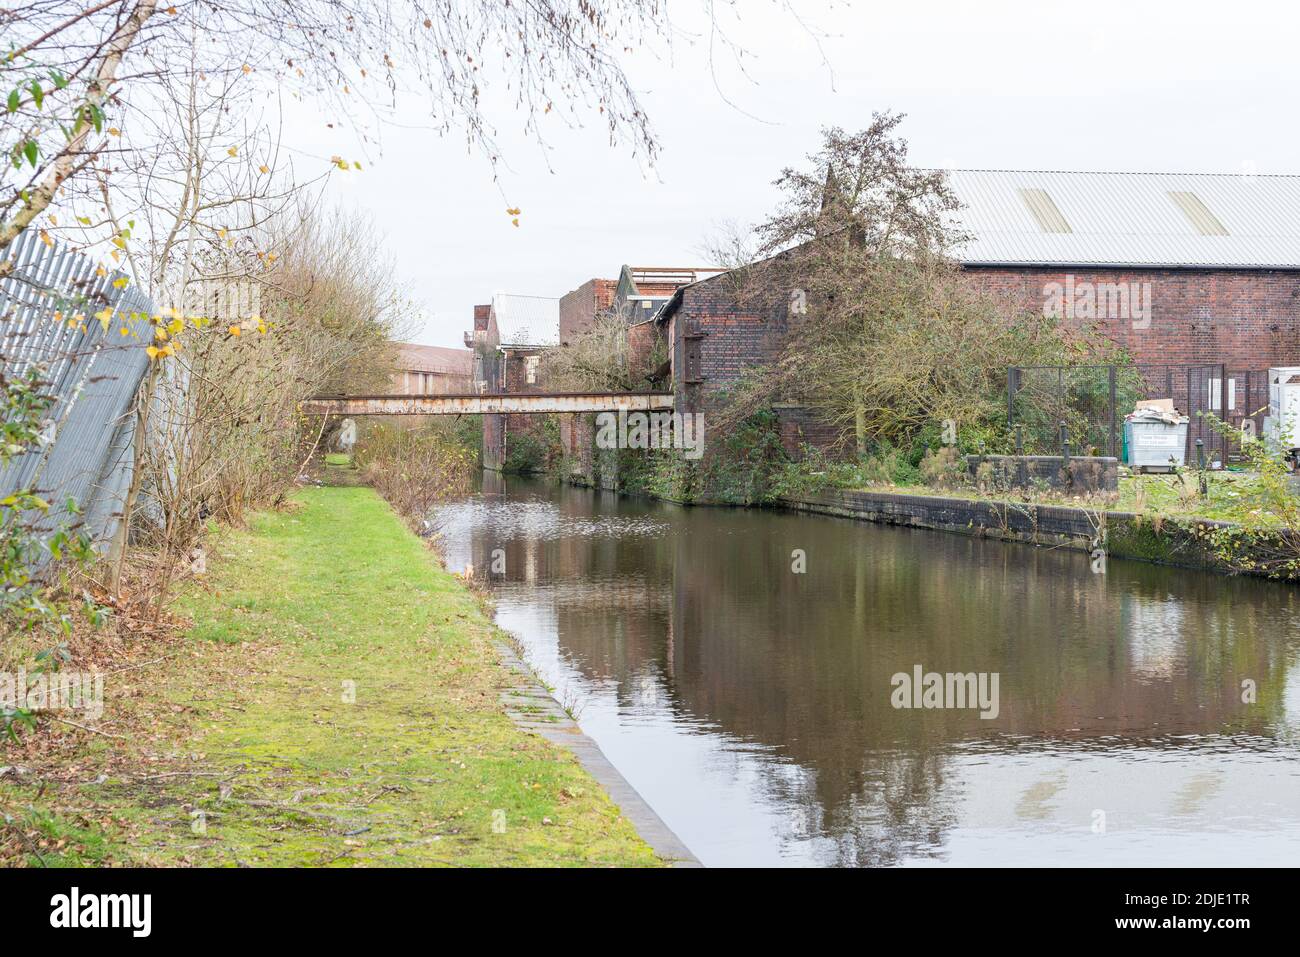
93, 371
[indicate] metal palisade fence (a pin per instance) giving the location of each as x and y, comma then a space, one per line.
1092, 401
63, 313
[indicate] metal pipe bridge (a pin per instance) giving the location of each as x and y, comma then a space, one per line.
487, 403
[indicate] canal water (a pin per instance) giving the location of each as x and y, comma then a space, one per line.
753, 705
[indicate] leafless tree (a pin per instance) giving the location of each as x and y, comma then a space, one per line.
219, 421
858, 197
596, 360
80, 76
882, 334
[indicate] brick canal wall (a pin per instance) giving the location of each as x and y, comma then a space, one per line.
1127, 535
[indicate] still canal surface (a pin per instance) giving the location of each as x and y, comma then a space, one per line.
751, 705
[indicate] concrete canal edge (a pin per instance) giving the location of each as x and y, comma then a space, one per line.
534, 709
1126, 534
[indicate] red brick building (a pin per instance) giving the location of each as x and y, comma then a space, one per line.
1216, 256
579, 307
636, 296
1180, 270
510, 334
432, 370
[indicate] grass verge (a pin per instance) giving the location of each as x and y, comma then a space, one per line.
335, 702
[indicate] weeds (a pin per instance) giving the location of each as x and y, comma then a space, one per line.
414, 469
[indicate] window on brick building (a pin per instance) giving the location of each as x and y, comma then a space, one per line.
530, 369
1215, 390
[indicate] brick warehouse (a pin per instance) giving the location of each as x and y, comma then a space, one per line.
432, 370
1215, 258
636, 297
509, 336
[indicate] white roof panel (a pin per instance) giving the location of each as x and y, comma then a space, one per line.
1129, 219
527, 320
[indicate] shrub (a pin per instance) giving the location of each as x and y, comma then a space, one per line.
887, 465
1265, 538
414, 469
534, 449
943, 468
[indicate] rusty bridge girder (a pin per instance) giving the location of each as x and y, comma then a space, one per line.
480, 404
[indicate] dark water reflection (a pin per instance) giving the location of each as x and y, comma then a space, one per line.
751, 705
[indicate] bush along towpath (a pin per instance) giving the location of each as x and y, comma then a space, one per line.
336, 700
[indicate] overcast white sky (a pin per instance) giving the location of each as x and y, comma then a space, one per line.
1182, 87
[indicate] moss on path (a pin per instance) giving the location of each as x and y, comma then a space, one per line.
337, 702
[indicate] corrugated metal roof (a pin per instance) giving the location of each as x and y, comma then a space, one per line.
527, 320
1130, 219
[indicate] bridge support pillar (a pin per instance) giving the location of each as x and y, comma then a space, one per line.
577, 432
608, 468
494, 441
